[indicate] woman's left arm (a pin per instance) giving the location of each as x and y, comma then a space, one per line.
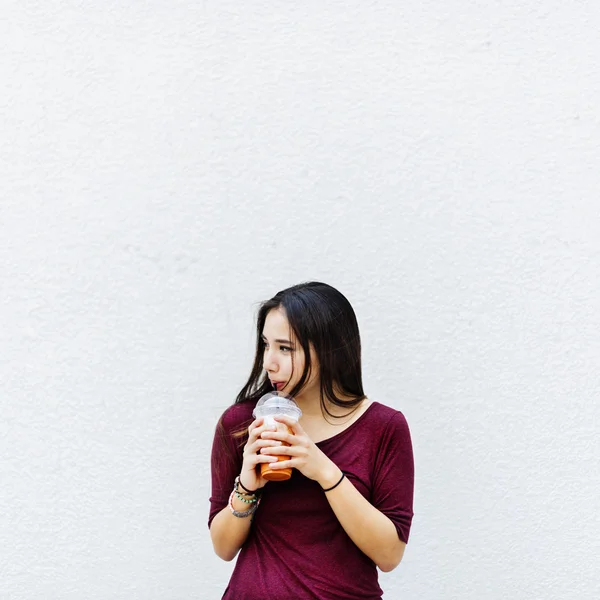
371, 530
367, 527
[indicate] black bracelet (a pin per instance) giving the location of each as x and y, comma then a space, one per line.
239, 481
338, 483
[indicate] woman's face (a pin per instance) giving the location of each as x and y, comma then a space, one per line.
283, 358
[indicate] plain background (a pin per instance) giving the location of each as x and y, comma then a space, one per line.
167, 166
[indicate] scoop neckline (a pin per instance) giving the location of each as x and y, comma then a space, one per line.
350, 427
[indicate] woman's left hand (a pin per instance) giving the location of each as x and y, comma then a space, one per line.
303, 453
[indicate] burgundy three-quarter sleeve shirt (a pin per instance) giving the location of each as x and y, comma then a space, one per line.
297, 548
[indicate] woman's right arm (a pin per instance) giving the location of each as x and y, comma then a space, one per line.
228, 532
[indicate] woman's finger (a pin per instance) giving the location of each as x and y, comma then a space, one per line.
291, 423
286, 437
257, 432
279, 436
284, 450
257, 459
253, 446
284, 464
291, 451
258, 444
255, 425
258, 426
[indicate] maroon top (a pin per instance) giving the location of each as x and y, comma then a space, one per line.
296, 547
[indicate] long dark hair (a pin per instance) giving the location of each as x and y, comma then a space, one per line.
321, 317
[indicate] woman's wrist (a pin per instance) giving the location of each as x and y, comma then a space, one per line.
246, 489
330, 477
329, 489
243, 501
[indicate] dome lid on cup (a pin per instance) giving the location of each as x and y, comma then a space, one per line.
276, 403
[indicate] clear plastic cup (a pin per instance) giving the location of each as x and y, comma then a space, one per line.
269, 406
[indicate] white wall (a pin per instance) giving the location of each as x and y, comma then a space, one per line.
167, 165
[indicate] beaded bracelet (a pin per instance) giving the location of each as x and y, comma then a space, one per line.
241, 514
249, 500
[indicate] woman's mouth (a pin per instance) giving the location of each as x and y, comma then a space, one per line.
278, 385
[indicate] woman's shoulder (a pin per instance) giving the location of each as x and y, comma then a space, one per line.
383, 416
237, 415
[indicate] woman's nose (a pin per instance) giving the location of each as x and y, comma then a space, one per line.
269, 364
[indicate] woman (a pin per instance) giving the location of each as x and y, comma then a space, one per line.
347, 508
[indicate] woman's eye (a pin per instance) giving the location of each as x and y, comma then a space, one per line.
284, 349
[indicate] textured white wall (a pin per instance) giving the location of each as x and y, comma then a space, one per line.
165, 166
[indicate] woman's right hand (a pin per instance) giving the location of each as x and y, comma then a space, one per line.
250, 475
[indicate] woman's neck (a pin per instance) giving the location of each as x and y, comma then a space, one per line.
310, 404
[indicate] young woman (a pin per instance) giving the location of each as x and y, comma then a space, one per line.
348, 506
